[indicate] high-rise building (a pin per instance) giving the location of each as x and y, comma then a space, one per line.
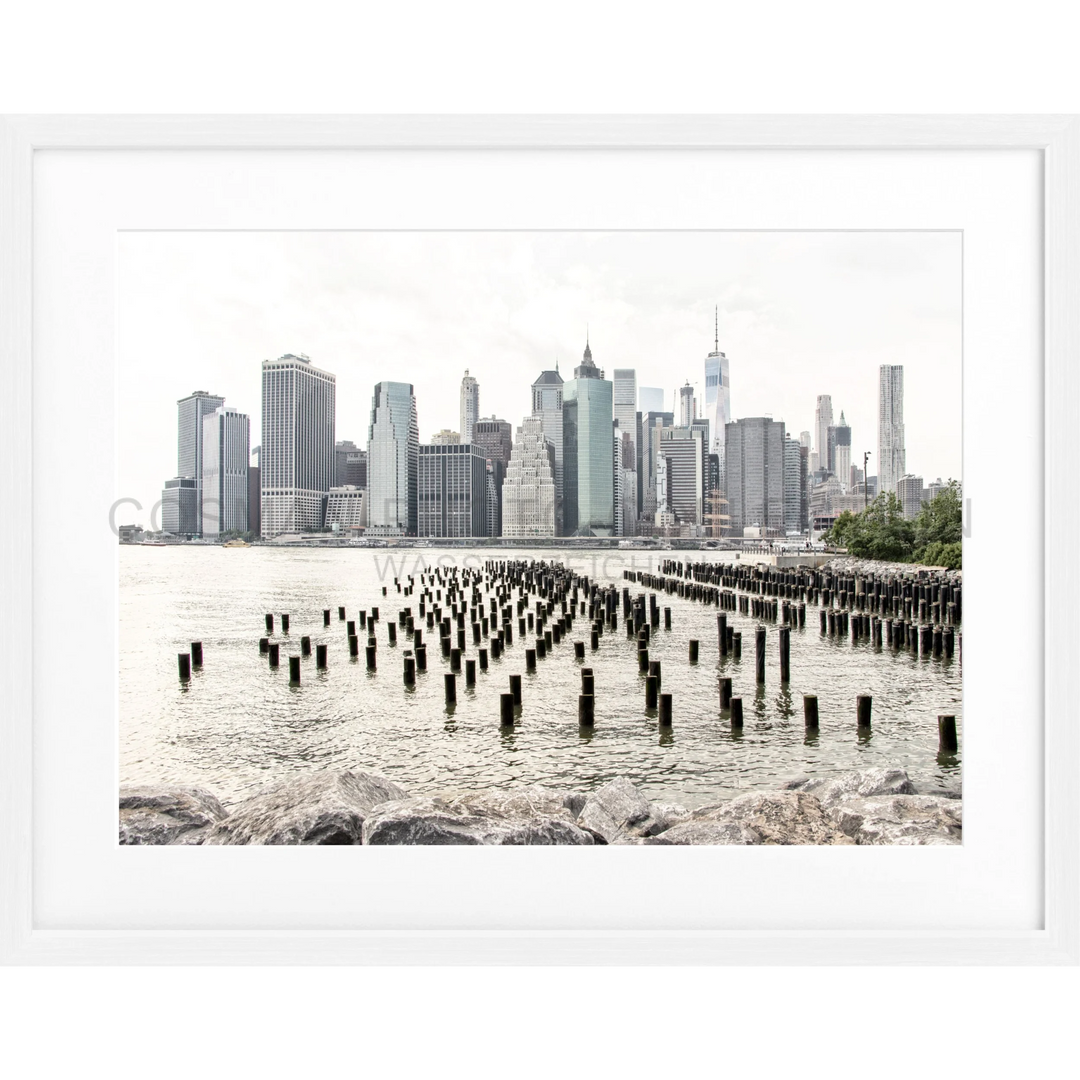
650, 399
652, 424
686, 463
755, 474
470, 406
804, 440
841, 465
686, 405
626, 476
624, 396
297, 461
496, 439
191, 411
350, 465
892, 459
446, 437
822, 422
393, 453
717, 391
588, 452
452, 490
547, 406
180, 506
225, 457
255, 494
528, 492
346, 509
935, 488
794, 486
909, 489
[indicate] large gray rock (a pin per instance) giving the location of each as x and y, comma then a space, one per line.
614, 809
314, 808
853, 785
514, 819
762, 817
901, 819
166, 815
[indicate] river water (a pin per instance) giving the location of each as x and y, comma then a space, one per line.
238, 724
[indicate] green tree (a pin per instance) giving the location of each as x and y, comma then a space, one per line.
939, 527
879, 532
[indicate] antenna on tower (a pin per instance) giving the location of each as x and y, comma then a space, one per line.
716, 340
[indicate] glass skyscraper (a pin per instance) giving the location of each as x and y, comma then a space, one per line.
393, 454
191, 411
892, 458
226, 455
588, 452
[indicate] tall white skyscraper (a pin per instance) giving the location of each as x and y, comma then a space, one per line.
190, 414
625, 411
892, 459
717, 393
470, 406
528, 491
686, 405
225, 457
297, 460
822, 423
547, 407
393, 461
842, 452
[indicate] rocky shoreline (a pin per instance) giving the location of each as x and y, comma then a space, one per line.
874, 806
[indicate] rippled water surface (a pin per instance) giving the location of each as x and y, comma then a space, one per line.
238, 724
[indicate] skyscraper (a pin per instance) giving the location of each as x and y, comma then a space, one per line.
191, 411
350, 465
652, 424
892, 459
717, 391
393, 453
650, 399
547, 406
180, 506
842, 452
625, 412
452, 490
822, 423
588, 452
794, 486
755, 474
686, 462
496, 441
225, 457
686, 405
529, 486
470, 406
909, 490
297, 460
255, 494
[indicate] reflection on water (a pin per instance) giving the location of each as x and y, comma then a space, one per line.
238, 723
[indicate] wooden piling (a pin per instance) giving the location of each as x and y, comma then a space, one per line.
264, 645
586, 709
320, 656
506, 710
652, 691
515, 688
736, 713
183, 661
665, 710
759, 641
482, 656
862, 704
785, 654
369, 652
284, 624
196, 654
947, 743
294, 669
269, 623
421, 657
470, 672
450, 685
326, 617
305, 645
274, 653
693, 651
725, 693
455, 660
810, 711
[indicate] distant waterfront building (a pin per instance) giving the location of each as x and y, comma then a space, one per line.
547, 406
528, 492
452, 498
254, 494
794, 486
650, 399
717, 392
346, 509
470, 406
190, 413
823, 420
892, 458
686, 463
350, 465
755, 475
225, 459
626, 477
841, 463
588, 452
446, 437
496, 439
624, 409
393, 454
909, 490
180, 506
934, 489
297, 460
652, 424
815, 462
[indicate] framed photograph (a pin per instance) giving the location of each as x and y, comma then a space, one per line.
481, 490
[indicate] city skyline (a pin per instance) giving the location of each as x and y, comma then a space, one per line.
750, 332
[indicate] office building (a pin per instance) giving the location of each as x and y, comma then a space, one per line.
393, 453
934, 489
823, 420
350, 465
892, 459
650, 399
626, 501
446, 437
841, 463
496, 439
190, 413
180, 507
528, 490
346, 509
652, 423
452, 490
754, 450
225, 457
909, 490
794, 486
624, 408
297, 460
686, 405
717, 392
470, 406
588, 452
685, 454
547, 406
254, 494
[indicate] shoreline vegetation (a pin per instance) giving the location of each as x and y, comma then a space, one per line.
877, 806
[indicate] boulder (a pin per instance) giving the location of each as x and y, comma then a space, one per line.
617, 807
510, 819
702, 831
901, 819
532, 800
151, 814
853, 785
313, 808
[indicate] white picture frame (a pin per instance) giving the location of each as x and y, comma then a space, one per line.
1056, 941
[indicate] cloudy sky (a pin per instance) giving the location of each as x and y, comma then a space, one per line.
801, 314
